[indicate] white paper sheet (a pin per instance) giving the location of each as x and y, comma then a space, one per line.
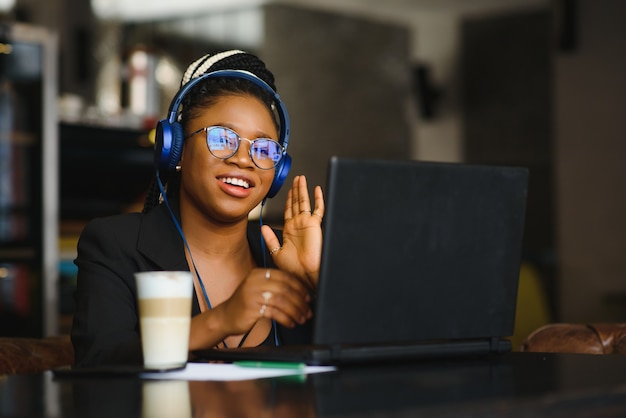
229, 372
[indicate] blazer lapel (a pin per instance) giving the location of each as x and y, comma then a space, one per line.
160, 241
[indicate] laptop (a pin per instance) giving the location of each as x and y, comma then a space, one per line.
419, 260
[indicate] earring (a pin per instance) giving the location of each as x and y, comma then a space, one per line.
178, 168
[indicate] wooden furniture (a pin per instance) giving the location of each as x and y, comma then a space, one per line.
599, 338
34, 355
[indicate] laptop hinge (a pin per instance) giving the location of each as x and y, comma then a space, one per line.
335, 351
499, 345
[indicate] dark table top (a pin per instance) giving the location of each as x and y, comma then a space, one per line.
513, 384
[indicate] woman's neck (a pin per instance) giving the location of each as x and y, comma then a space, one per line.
214, 239
218, 242
220, 255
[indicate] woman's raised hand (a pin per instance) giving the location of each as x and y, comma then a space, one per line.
301, 251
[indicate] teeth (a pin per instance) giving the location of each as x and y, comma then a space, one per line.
236, 182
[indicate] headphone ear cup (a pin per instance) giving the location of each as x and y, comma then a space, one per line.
280, 175
177, 145
168, 145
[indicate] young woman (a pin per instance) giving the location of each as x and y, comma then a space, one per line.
217, 159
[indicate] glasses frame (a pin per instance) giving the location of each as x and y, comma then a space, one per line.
240, 138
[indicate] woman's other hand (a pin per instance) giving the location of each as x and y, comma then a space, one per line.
265, 293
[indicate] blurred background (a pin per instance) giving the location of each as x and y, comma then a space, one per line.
533, 83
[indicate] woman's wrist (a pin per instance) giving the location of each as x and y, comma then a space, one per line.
311, 281
206, 330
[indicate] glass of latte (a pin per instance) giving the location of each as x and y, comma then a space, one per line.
164, 299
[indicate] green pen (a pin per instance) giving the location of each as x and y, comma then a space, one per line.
271, 365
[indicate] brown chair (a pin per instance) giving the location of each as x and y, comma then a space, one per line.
602, 338
35, 355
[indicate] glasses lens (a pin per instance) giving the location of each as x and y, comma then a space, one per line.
222, 142
266, 153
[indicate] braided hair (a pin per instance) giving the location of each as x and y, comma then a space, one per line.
207, 92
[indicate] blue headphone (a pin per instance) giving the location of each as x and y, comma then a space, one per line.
169, 138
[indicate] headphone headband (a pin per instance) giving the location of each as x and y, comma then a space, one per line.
247, 75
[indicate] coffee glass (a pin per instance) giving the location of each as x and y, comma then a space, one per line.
164, 299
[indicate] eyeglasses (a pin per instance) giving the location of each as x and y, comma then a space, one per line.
223, 143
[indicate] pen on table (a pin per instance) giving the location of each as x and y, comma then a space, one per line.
271, 365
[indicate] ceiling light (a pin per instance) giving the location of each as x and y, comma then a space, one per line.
138, 10
6, 5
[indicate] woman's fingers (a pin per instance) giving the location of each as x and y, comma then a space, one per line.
295, 196
283, 298
288, 213
273, 245
282, 317
319, 203
289, 305
298, 201
285, 293
301, 195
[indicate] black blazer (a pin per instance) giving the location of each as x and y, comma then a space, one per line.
105, 327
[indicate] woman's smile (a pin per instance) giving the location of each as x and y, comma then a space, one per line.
236, 182
236, 186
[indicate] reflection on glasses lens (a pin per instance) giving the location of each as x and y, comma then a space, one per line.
223, 143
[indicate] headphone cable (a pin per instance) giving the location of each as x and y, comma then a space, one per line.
193, 263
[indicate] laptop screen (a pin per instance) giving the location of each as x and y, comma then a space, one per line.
418, 251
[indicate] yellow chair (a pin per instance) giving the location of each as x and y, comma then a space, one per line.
532, 305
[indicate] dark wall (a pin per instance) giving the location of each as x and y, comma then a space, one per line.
507, 107
346, 82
